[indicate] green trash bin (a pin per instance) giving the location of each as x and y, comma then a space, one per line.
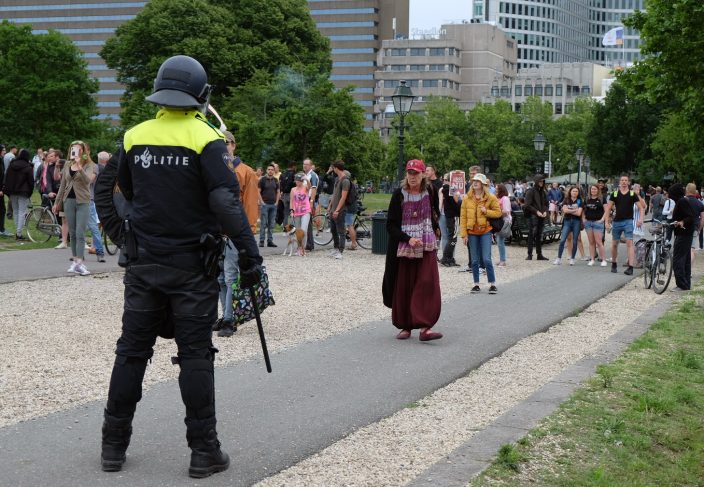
380, 236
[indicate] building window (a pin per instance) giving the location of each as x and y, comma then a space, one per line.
575, 90
354, 50
444, 83
437, 67
517, 108
494, 91
538, 90
505, 92
344, 11
548, 90
518, 90
417, 51
558, 90
529, 90
335, 25
398, 52
586, 90
430, 83
417, 67
398, 67
569, 108
352, 64
391, 83
437, 51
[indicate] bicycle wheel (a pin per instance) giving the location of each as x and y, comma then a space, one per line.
110, 247
321, 230
39, 216
363, 228
648, 268
663, 271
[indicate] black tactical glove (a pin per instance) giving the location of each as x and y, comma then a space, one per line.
251, 276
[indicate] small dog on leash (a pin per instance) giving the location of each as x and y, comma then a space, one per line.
295, 235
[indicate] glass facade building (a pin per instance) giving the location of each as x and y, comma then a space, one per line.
563, 31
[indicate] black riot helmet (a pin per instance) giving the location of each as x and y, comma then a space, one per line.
181, 83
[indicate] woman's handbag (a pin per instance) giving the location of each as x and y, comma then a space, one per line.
496, 224
506, 231
243, 309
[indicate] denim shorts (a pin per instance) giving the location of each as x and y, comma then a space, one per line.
622, 226
595, 226
349, 218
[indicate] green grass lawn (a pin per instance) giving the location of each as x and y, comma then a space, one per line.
9, 243
376, 201
638, 422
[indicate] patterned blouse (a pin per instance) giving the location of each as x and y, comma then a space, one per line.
416, 222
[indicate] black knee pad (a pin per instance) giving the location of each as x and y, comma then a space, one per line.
126, 385
197, 382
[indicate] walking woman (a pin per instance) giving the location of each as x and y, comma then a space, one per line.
73, 199
19, 184
300, 208
477, 208
411, 286
571, 223
505, 205
594, 224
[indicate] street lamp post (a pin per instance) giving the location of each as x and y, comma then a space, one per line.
539, 144
580, 159
587, 163
403, 100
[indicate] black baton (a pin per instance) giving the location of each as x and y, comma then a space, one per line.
244, 259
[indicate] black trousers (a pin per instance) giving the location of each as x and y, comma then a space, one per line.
166, 290
535, 234
682, 260
2, 212
337, 228
448, 253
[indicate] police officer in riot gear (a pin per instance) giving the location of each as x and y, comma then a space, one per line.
180, 193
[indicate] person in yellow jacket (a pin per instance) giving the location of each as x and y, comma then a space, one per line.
477, 208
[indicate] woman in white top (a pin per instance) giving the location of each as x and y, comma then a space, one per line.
667, 212
505, 205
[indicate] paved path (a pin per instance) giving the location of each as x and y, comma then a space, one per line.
318, 393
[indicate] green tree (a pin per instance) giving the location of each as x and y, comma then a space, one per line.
47, 92
233, 39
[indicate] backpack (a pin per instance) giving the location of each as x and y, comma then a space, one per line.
351, 201
287, 181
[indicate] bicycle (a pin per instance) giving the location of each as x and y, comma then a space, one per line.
362, 225
41, 223
657, 266
110, 247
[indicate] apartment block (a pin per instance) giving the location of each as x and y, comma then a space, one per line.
463, 63
356, 29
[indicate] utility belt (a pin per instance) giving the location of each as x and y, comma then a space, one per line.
207, 256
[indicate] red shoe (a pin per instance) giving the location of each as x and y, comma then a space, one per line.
404, 334
427, 335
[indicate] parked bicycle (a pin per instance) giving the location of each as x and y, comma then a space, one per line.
657, 265
362, 225
41, 223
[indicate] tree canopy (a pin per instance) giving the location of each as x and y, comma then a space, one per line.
47, 90
233, 39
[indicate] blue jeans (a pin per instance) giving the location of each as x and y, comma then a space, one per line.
501, 244
226, 278
268, 220
480, 246
573, 226
94, 230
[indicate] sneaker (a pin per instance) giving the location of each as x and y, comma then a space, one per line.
61, 246
5, 234
332, 253
72, 268
603, 263
101, 257
678, 289
271, 244
228, 329
542, 257
482, 271
475, 289
493, 290
629, 271
218, 324
590, 263
586, 258
81, 269
614, 268
338, 256
557, 261
571, 261
466, 269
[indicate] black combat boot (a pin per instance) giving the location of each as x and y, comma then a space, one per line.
206, 456
116, 439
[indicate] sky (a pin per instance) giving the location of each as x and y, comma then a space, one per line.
431, 14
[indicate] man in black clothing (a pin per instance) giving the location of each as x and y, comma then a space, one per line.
451, 209
535, 209
286, 184
685, 216
171, 288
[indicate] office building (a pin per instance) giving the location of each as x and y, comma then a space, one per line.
88, 23
356, 29
462, 63
559, 31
